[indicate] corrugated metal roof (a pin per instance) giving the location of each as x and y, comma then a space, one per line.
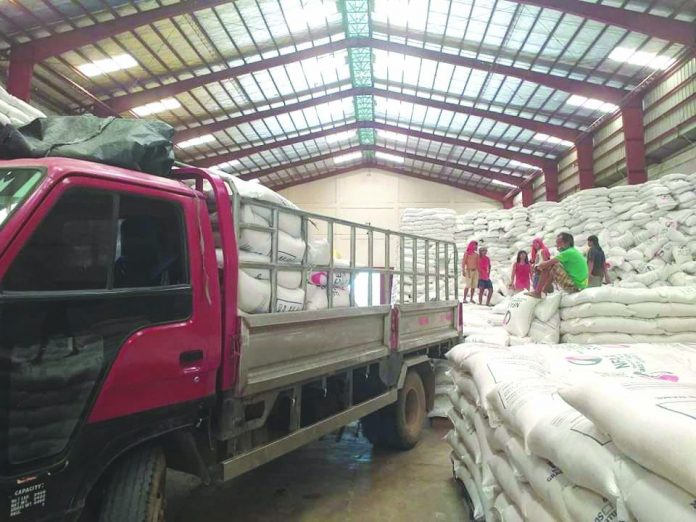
465, 61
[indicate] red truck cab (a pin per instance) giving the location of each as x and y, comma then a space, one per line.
110, 330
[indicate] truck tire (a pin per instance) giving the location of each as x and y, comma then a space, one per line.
135, 489
399, 426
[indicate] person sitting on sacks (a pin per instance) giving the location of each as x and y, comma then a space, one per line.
470, 265
596, 263
484, 282
568, 270
540, 253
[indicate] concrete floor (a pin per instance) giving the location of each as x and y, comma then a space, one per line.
329, 481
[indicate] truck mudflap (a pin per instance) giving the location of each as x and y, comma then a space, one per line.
59, 492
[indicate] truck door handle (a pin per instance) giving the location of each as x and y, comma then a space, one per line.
190, 357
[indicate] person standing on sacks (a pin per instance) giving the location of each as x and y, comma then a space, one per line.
470, 266
568, 270
484, 282
596, 263
521, 273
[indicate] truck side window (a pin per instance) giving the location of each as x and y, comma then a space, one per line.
71, 248
78, 245
150, 244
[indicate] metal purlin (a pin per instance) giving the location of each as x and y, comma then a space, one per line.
357, 24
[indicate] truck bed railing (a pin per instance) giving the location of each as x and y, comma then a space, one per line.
439, 257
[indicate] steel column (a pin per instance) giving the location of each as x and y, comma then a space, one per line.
584, 149
527, 195
634, 139
20, 73
507, 203
551, 181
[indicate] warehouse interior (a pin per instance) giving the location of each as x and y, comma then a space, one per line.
367, 152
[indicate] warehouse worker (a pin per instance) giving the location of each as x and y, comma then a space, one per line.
540, 253
470, 266
484, 282
521, 275
596, 263
568, 270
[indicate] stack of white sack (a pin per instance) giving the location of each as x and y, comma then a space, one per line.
432, 223
629, 315
255, 246
443, 388
518, 319
497, 230
16, 112
576, 433
648, 231
317, 282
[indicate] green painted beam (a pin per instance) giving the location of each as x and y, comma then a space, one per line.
357, 24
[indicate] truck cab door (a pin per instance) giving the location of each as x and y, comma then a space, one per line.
107, 309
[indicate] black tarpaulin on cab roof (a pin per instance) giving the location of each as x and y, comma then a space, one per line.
142, 145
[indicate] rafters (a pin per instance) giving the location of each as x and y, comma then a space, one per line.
464, 169
299, 163
128, 101
531, 159
525, 123
592, 90
495, 195
581, 88
24, 56
667, 29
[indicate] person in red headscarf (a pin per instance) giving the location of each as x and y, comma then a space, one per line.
470, 268
539, 254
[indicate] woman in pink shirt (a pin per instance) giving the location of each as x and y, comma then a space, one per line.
521, 273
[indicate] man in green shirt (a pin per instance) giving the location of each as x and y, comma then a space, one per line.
568, 269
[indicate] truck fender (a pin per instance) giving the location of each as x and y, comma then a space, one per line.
423, 366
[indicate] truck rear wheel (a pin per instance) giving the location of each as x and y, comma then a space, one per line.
135, 489
399, 425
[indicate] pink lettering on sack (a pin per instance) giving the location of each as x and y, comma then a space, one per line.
423, 321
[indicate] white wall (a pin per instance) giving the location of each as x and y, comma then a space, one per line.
379, 198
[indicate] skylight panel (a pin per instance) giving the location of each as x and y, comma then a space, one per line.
107, 65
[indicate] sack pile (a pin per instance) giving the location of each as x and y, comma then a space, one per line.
575, 432
433, 223
16, 112
647, 231
626, 315
254, 289
516, 320
498, 230
317, 283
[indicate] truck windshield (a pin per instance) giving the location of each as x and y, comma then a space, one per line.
15, 186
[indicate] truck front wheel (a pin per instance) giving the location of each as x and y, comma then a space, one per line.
135, 488
399, 425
